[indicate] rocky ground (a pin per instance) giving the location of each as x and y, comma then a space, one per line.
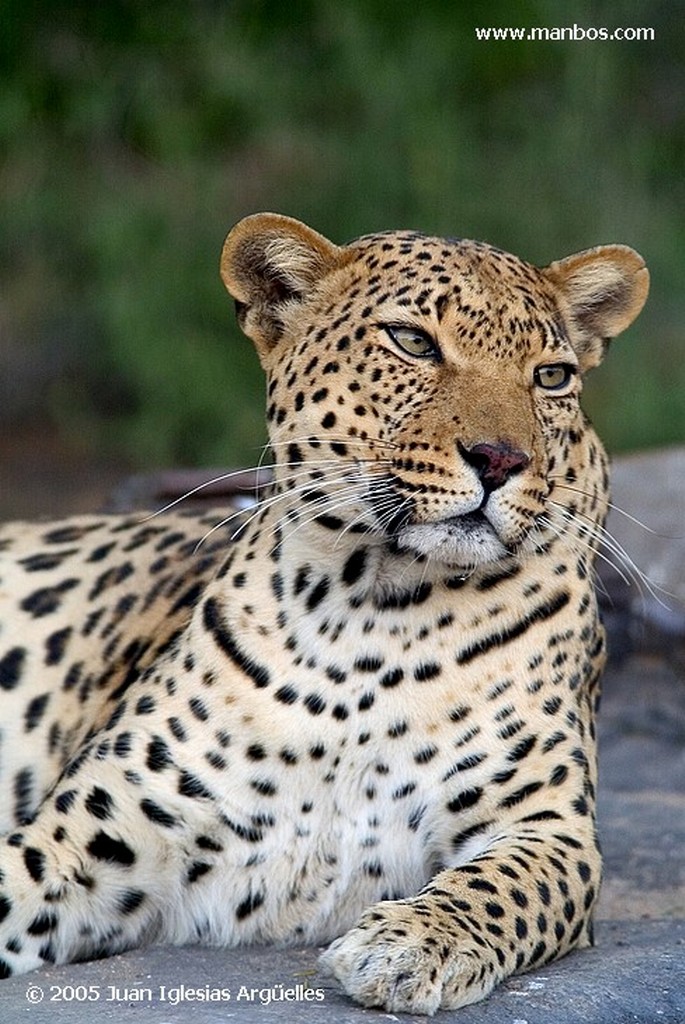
635, 974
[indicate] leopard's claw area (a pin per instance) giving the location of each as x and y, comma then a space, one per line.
390, 961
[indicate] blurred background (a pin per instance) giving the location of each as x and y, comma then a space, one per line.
134, 134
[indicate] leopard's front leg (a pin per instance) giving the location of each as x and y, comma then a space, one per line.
527, 901
87, 877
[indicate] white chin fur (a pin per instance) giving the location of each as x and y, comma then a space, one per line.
464, 546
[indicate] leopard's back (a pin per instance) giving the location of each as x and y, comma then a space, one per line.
85, 605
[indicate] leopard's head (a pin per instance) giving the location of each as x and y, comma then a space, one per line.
428, 388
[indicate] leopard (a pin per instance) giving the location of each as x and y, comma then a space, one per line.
362, 714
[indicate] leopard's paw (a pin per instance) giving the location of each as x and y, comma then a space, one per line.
402, 958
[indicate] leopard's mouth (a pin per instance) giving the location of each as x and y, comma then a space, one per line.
466, 541
470, 522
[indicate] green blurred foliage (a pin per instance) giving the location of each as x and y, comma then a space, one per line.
135, 134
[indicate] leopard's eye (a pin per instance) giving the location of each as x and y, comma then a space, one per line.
413, 341
554, 376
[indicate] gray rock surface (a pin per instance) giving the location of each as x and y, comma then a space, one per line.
647, 596
650, 487
634, 975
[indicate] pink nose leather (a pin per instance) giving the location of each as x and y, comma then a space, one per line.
495, 463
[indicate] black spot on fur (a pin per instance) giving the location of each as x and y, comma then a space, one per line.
366, 701
541, 613
264, 787
519, 795
249, 905
189, 785
130, 900
286, 695
205, 843
65, 801
48, 599
123, 745
56, 645
5, 907
111, 577
368, 663
45, 561
177, 729
314, 703
69, 534
112, 851
11, 666
47, 953
188, 598
23, 795
199, 709
196, 870
522, 749
329, 522
158, 755
225, 640
43, 923
404, 598
354, 566
428, 670
99, 553
558, 775
157, 814
34, 860
35, 711
391, 678
318, 593
468, 833
467, 798
99, 803
146, 705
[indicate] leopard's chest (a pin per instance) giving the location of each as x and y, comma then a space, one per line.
355, 751
322, 813
315, 841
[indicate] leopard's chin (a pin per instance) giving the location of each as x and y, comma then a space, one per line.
466, 542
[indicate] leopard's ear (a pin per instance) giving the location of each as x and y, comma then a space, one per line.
604, 290
269, 264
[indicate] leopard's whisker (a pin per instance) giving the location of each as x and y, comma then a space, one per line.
345, 475
196, 490
582, 540
561, 532
257, 469
329, 504
633, 574
291, 493
383, 511
220, 478
366, 442
619, 511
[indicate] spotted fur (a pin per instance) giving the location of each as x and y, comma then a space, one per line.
368, 718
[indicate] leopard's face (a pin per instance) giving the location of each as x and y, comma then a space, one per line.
428, 389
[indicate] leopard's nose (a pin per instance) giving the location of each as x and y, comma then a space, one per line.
494, 462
